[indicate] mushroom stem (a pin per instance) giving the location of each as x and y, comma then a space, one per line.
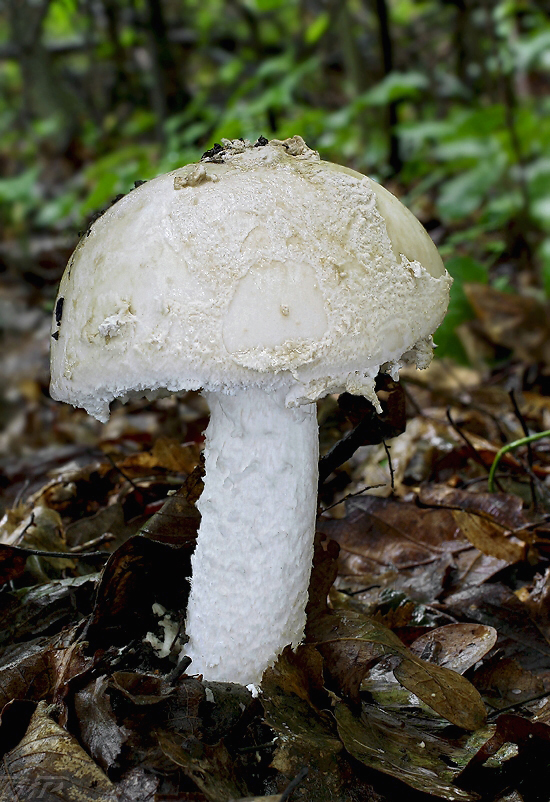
253, 558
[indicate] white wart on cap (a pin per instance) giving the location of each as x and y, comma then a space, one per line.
268, 278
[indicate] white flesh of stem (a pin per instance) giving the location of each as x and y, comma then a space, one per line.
253, 558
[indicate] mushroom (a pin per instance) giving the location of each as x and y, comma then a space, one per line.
267, 278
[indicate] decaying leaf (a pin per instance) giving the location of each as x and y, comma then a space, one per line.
497, 606
502, 508
455, 646
526, 763
445, 691
139, 573
489, 537
504, 683
305, 737
350, 643
49, 764
391, 543
387, 744
99, 730
210, 767
12, 563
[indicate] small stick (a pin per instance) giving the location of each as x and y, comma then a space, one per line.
530, 460
390, 466
293, 784
90, 555
96, 541
352, 495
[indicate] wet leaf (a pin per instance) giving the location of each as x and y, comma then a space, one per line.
489, 537
455, 646
49, 764
502, 508
139, 573
47, 608
445, 691
394, 543
177, 521
98, 728
494, 767
351, 642
210, 767
306, 737
504, 683
385, 743
497, 606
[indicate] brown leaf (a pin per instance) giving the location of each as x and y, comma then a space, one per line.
323, 574
41, 670
504, 683
445, 691
502, 508
25, 615
176, 523
307, 736
387, 744
496, 605
538, 603
351, 642
12, 563
518, 322
211, 768
533, 741
167, 454
98, 728
396, 543
489, 537
455, 646
138, 574
49, 764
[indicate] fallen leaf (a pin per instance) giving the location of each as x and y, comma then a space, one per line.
489, 537
504, 683
533, 752
502, 508
138, 574
384, 743
455, 646
497, 606
351, 642
518, 322
47, 608
306, 737
395, 543
49, 764
12, 563
97, 724
445, 691
211, 768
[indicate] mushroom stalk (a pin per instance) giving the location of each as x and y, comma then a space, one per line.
254, 551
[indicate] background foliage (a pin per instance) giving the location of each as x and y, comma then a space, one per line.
445, 101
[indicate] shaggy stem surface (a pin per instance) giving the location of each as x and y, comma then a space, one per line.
253, 558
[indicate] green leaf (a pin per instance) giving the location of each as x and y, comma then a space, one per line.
395, 86
464, 194
317, 28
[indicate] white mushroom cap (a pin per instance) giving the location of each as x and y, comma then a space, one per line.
260, 266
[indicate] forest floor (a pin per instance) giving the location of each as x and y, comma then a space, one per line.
425, 675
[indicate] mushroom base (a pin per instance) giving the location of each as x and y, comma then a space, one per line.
254, 551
